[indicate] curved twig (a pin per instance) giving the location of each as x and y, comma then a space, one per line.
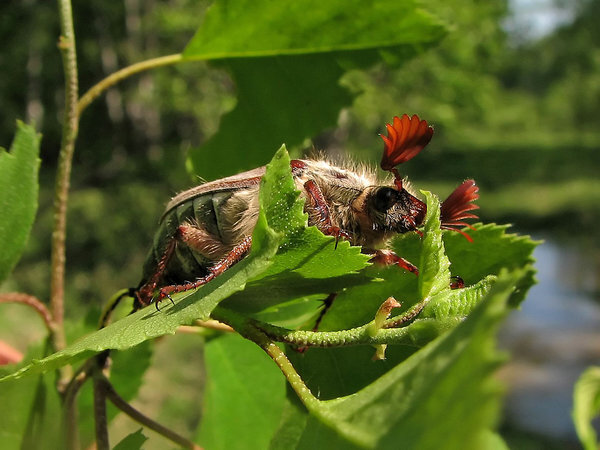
70, 405
34, 302
136, 415
119, 75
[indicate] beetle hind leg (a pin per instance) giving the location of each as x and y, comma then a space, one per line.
188, 234
234, 256
202, 241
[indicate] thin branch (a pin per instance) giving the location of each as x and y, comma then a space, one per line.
70, 411
214, 325
61, 192
30, 300
407, 316
248, 329
100, 419
136, 415
355, 336
110, 306
114, 78
292, 376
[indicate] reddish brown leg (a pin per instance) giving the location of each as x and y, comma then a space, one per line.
389, 258
326, 305
319, 203
234, 256
327, 302
145, 293
457, 282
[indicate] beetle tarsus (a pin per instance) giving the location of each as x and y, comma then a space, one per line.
457, 282
389, 258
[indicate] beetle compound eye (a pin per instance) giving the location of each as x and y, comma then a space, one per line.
384, 199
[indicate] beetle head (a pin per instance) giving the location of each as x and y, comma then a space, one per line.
395, 210
407, 136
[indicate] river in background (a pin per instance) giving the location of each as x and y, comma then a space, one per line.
553, 338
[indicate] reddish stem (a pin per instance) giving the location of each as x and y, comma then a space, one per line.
30, 300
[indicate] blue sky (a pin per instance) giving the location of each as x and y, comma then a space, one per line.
533, 19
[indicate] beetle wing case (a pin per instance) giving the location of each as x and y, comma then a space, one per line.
234, 182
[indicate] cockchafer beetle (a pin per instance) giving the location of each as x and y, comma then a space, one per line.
208, 228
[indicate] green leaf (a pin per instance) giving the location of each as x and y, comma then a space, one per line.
149, 323
257, 28
287, 60
586, 406
457, 303
492, 250
18, 194
33, 406
434, 275
441, 397
244, 388
133, 441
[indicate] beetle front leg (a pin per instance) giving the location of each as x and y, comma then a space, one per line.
389, 258
144, 294
319, 203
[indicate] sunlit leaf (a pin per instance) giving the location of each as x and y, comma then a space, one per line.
587, 406
18, 194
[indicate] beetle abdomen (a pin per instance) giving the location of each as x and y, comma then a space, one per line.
214, 223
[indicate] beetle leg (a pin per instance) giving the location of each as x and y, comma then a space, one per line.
202, 241
145, 293
457, 282
326, 305
320, 205
388, 258
327, 302
234, 256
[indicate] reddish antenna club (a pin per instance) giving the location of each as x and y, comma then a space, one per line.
455, 209
407, 136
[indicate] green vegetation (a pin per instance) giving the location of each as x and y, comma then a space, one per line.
521, 119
